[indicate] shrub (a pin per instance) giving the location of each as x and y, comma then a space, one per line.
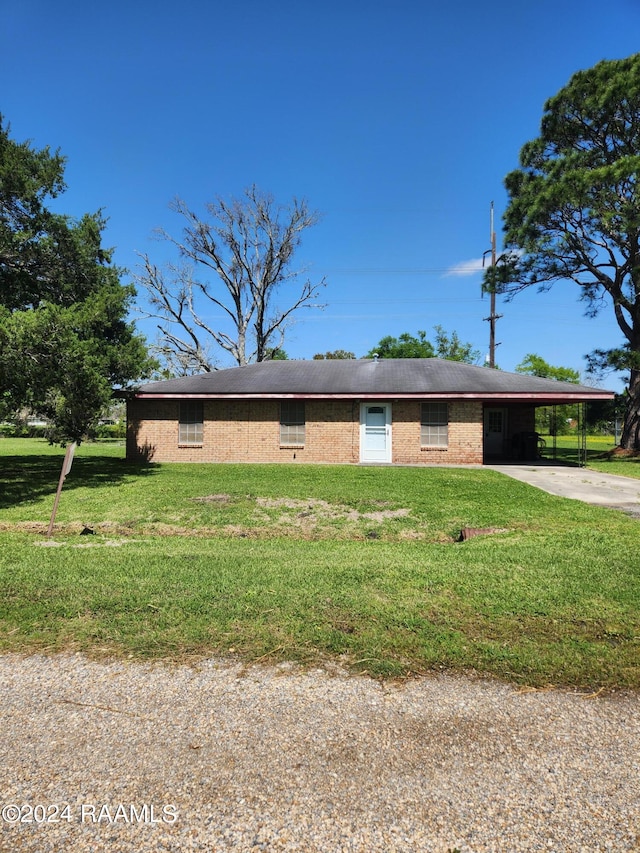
117, 430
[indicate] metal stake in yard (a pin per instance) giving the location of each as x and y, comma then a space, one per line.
66, 467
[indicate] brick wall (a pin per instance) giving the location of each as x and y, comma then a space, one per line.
249, 431
465, 435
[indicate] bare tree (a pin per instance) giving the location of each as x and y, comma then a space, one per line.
237, 262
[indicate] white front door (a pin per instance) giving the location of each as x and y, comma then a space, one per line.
375, 432
494, 431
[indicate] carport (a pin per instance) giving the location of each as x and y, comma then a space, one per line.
510, 434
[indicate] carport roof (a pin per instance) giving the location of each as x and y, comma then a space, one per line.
370, 379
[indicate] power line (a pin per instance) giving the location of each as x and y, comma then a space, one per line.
385, 271
386, 301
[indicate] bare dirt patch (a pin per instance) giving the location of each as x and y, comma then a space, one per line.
249, 517
313, 509
107, 543
320, 509
316, 518
384, 514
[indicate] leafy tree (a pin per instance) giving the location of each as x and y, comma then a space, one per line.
336, 354
555, 420
453, 349
64, 338
404, 346
277, 354
574, 210
535, 365
239, 262
411, 346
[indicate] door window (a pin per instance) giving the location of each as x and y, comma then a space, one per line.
494, 420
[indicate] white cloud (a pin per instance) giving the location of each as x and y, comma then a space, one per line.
466, 267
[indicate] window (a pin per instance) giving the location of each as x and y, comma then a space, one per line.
191, 422
494, 420
434, 429
292, 423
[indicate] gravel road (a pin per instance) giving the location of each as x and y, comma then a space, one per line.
122, 756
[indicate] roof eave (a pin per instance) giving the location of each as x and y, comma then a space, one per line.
492, 396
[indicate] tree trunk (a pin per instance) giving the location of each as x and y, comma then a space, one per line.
631, 431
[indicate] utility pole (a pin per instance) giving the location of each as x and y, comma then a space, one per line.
493, 317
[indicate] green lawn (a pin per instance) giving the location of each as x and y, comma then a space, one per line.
598, 448
286, 562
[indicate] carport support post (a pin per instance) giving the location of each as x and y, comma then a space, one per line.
66, 467
582, 434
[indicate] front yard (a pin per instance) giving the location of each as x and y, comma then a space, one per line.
599, 456
307, 563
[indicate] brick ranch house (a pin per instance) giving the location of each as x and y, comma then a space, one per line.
402, 411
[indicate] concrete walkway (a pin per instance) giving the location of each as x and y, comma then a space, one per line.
581, 484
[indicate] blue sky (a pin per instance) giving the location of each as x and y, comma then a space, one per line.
396, 120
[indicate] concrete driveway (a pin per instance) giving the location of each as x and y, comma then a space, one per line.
581, 484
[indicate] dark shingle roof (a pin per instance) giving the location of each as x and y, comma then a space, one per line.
396, 377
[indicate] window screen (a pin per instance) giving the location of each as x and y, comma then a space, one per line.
191, 422
292, 423
434, 429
